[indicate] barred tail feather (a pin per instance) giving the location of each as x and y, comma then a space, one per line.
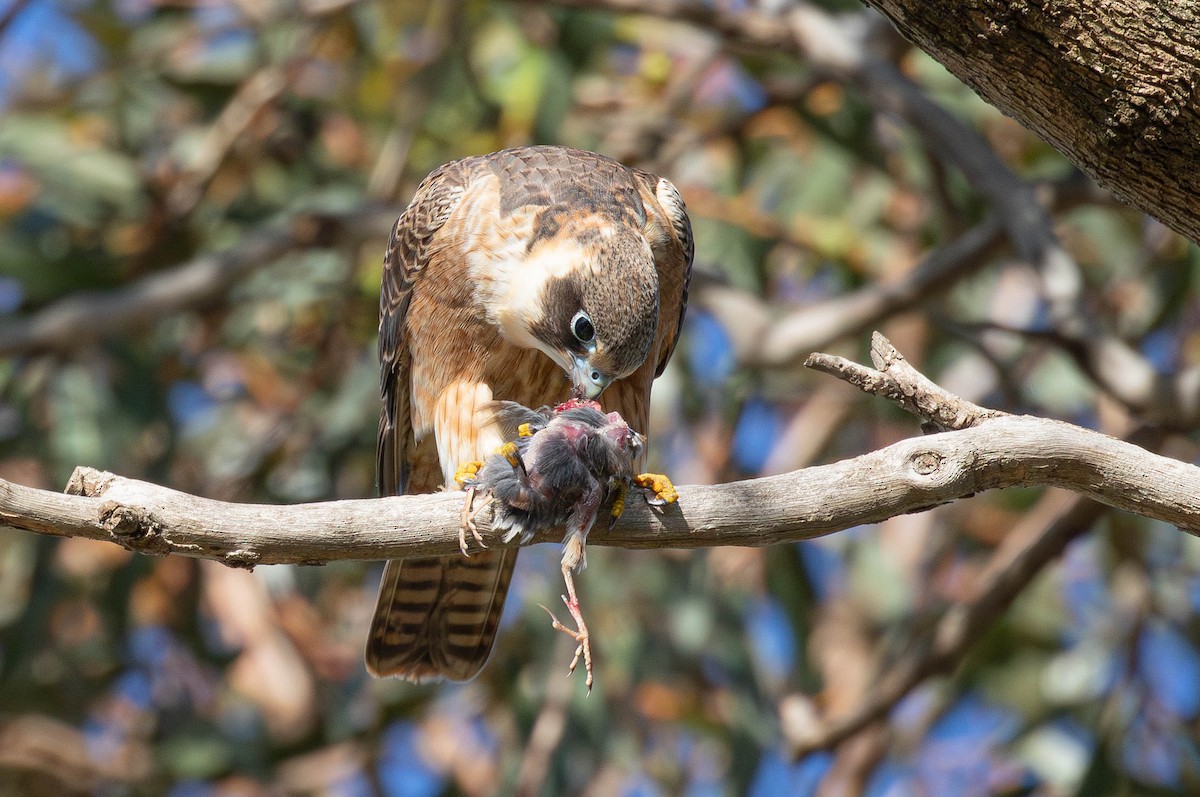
437, 616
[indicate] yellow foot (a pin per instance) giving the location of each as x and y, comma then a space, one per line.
664, 491
466, 472
618, 504
509, 452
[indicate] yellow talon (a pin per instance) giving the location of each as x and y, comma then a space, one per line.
509, 452
525, 430
466, 472
619, 502
660, 485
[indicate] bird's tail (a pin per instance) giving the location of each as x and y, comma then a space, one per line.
437, 617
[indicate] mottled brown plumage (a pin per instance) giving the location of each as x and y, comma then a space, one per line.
493, 279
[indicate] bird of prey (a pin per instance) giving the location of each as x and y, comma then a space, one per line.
528, 275
559, 466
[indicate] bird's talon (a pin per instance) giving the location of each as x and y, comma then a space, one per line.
467, 472
467, 521
618, 504
509, 451
581, 636
660, 485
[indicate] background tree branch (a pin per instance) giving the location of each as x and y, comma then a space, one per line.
1117, 99
95, 315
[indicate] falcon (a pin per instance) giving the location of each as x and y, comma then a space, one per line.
531, 275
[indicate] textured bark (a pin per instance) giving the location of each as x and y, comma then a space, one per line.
1112, 84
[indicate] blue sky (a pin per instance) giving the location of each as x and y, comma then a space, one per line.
44, 39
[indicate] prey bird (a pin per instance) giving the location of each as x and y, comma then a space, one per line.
559, 466
530, 275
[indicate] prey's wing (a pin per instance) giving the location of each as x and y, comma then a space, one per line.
511, 416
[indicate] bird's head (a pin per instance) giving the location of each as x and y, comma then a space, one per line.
596, 308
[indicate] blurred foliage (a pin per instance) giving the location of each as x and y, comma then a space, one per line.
137, 135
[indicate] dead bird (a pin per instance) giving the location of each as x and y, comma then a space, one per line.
560, 466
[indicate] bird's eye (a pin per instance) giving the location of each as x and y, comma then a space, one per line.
582, 329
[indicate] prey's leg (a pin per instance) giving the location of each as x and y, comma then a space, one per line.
580, 632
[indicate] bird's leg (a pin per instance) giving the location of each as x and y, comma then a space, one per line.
660, 485
571, 557
464, 474
467, 520
580, 634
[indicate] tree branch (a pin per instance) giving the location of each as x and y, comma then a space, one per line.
91, 315
254, 94
1111, 85
987, 450
762, 340
836, 46
1041, 538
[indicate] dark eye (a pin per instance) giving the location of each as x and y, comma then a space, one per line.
582, 329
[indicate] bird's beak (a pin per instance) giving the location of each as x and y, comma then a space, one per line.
586, 381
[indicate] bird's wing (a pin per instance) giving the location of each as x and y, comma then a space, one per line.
511, 416
404, 262
436, 616
673, 253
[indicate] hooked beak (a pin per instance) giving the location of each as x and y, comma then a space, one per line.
586, 381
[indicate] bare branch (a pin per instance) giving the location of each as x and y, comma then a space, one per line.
11, 13
901, 384
59, 756
994, 451
836, 46
257, 92
1117, 106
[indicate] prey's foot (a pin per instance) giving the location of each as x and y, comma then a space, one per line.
584, 650
467, 472
660, 485
579, 634
467, 520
